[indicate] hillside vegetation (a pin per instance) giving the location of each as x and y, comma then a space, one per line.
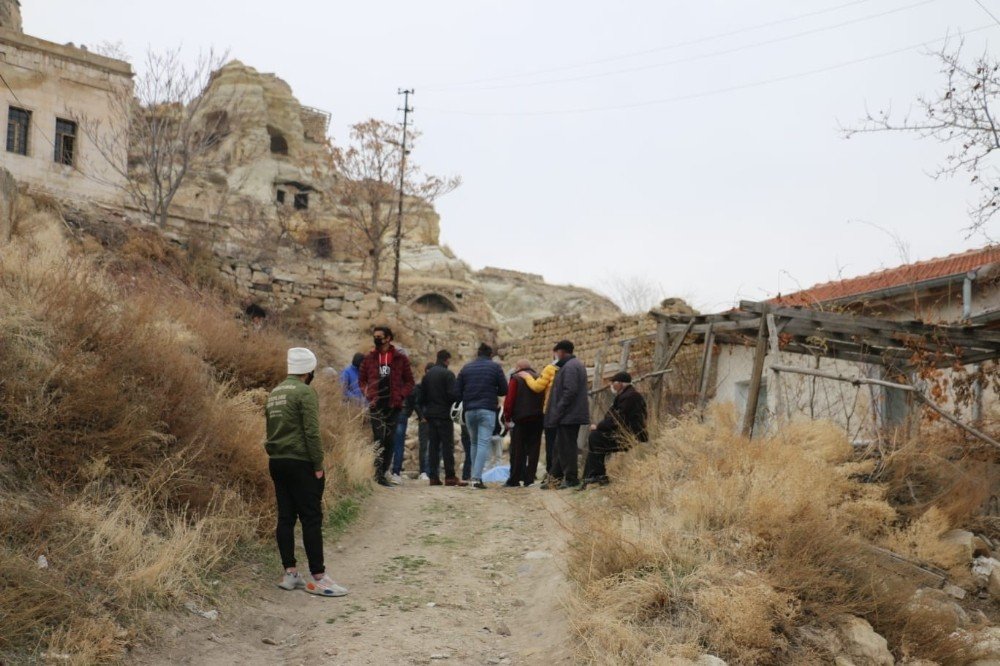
775, 552
131, 430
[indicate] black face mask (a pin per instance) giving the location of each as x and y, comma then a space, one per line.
309, 378
379, 342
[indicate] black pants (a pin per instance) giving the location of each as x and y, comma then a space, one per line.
525, 447
384, 421
423, 445
441, 433
550, 449
300, 496
467, 447
566, 466
599, 445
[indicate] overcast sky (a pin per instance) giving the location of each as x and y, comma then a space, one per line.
695, 144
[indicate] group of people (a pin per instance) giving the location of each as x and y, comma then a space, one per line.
552, 404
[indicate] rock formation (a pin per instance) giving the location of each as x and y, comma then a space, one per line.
10, 15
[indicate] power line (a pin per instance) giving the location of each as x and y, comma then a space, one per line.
713, 54
986, 9
658, 49
709, 93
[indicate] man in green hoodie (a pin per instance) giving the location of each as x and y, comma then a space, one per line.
296, 466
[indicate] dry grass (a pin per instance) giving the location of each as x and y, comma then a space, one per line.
709, 543
131, 456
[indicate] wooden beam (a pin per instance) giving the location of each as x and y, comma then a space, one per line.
755, 377
958, 335
706, 368
663, 357
921, 398
626, 353
636, 380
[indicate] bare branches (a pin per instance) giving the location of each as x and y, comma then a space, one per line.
962, 115
634, 294
159, 130
366, 190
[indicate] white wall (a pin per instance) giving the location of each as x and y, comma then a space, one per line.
51, 81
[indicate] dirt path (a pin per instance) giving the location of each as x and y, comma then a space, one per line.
437, 575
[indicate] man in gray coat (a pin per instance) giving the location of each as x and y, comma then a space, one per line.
568, 411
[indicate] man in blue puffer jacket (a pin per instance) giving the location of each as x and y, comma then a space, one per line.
481, 383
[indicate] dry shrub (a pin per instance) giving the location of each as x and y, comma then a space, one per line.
938, 467
708, 541
131, 432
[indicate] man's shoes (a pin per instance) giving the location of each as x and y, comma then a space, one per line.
292, 581
423, 477
568, 484
324, 587
436, 482
511, 484
382, 481
395, 479
603, 480
453, 481
479, 485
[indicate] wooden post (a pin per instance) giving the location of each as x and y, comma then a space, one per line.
753, 393
599, 359
626, 353
663, 357
775, 349
706, 367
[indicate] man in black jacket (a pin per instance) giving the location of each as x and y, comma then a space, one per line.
438, 392
624, 423
569, 410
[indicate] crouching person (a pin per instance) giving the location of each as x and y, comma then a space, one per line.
624, 423
296, 466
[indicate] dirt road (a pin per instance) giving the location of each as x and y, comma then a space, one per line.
437, 576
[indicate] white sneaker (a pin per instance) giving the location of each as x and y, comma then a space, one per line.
395, 479
324, 587
423, 477
292, 581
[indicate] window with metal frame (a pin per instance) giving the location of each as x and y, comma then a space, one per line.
65, 142
18, 125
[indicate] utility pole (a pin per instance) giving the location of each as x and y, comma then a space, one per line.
402, 175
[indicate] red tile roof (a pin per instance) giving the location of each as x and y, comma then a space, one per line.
908, 274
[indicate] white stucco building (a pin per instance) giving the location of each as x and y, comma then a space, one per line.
48, 91
963, 287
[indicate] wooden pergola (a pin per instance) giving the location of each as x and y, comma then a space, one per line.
897, 346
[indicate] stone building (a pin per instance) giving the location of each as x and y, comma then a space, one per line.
48, 90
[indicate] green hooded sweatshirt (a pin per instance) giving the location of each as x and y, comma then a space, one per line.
293, 423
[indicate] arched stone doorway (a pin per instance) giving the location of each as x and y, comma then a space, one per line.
433, 303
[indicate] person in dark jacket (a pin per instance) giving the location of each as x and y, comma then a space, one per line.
386, 379
423, 436
624, 423
480, 384
295, 463
569, 410
438, 392
523, 409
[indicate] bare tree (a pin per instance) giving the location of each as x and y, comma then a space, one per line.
961, 115
159, 130
367, 187
634, 294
